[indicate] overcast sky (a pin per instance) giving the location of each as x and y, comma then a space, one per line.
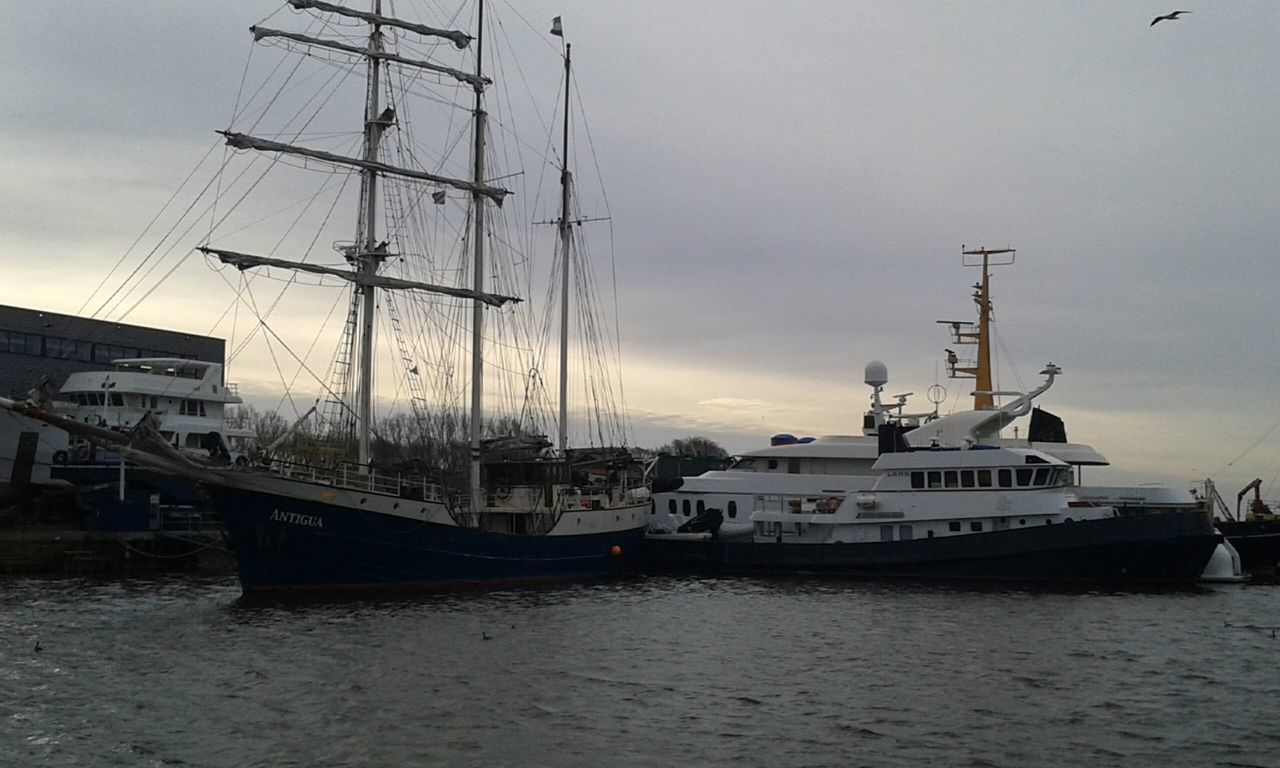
790, 188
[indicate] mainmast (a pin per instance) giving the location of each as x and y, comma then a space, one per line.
565, 238
477, 311
980, 334
367, 259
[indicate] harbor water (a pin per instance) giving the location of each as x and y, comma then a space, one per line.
659, 671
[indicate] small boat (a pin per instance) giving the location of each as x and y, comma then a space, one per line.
1255, 534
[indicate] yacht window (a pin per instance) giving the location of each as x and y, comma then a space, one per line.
100, 398
116, 399
193, 440
975, 525
1062, 477
1006, 478
1042, 476
952, 478
153, 402
793, 466
984, 478
671, 506
917, 479
886, 533
82, 399
653, 507
1024, 477
931, 533
684, 506
733, 509
954, 525
935, 479
702, 506
966, 478
773, 463
904, 533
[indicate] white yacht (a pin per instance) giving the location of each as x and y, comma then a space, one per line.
187, 397
960, 508
834, 465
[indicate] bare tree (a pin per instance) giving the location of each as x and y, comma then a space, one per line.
694, 445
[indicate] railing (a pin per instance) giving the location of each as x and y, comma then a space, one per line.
361, 478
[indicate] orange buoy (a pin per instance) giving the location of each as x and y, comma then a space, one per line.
617, 550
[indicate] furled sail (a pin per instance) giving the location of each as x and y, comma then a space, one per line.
244, 261
244, 141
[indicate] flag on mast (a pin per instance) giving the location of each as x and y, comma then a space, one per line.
556, 28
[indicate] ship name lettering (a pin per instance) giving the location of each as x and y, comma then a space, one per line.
297, 518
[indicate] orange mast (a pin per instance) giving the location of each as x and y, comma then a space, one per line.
980, 333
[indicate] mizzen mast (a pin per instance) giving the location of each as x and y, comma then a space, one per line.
566, 235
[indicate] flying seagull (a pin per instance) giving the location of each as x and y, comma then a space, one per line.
1167, 17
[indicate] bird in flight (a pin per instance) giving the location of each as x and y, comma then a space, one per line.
1167, 17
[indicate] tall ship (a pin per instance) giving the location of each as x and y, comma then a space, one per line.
503, 505
728, 519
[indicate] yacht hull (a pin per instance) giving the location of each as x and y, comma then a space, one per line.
1163, 548
285, 543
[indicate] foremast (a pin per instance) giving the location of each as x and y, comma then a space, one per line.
367, 255
477, 311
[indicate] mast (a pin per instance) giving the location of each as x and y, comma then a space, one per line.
979, 334
565, 236
477, 311
367, 260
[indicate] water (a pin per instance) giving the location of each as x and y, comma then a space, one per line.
660, 671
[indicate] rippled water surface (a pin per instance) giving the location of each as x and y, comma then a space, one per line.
660, 671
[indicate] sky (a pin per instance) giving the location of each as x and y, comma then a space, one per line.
790, 191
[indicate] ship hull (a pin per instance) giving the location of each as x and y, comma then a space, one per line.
1166, 548
1257, 541
285, 543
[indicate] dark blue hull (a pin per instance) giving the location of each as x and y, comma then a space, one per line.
1170, 548
279, 546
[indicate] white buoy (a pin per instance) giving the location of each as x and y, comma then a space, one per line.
1224, 565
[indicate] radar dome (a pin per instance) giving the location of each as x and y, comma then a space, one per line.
877, 374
